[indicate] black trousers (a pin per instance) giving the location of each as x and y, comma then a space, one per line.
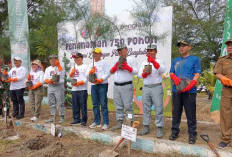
18, 102
188, 101
79, 105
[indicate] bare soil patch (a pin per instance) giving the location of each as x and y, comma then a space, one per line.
35, 143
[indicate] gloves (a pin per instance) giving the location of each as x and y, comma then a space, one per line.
58, 65
28, 77
72, 72
190, 86
152, 60
4, 72
175, 79
35, 86
79, 83
48, 81
92, 70
98, 81
12, 80
115, 68
226, 81
144, 74
125, 66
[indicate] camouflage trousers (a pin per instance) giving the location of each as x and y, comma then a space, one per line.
5, 98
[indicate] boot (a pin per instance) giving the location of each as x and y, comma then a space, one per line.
50, 120
118, 126
61, 120
145, 131
159, 132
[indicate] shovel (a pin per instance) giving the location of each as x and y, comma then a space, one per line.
205, 137
15, 130
112, 153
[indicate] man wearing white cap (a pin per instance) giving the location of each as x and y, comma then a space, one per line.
55, 89
152, 91
99, 89
123, 87
36, 91
17, 79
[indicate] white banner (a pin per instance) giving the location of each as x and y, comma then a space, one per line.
76, 41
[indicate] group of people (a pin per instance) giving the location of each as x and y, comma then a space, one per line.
185, 72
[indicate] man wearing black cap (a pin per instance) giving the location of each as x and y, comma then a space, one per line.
185, 71
55, 89
79, 90
123, 87
152, 91
223, 72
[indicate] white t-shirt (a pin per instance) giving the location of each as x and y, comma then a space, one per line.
80, 75
121, 76
21, 74
50, 71
102, 70
156, 75
37, 76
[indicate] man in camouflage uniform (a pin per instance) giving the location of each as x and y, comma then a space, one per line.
4, 88
223, 72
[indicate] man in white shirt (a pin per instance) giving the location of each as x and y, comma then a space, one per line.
123, 87
99, 89
79, 90
152, 91
55, 89
17, 79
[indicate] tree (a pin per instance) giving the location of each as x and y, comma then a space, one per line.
200, 21
146, 11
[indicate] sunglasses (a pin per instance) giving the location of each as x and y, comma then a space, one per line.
119, 49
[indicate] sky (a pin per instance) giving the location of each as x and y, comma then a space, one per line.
113, 7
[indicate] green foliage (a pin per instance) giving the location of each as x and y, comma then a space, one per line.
100, 27
208, 78
200, 21
146, 12
5, 48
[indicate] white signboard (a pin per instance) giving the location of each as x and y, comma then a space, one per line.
74, 40
53, 129
129, 133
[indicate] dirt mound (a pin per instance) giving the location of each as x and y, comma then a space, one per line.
36, 143
57, 150
5, 133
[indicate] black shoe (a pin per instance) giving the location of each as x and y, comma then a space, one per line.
83, 124
173, 137
192, 140
223, 145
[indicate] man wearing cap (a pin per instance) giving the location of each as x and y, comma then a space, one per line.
223, 72
184, 69
123, 87
79, 90
55, 89
17, 79
36, 75
4, 87
99, 89
152, 91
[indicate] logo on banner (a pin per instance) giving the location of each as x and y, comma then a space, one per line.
84, 33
